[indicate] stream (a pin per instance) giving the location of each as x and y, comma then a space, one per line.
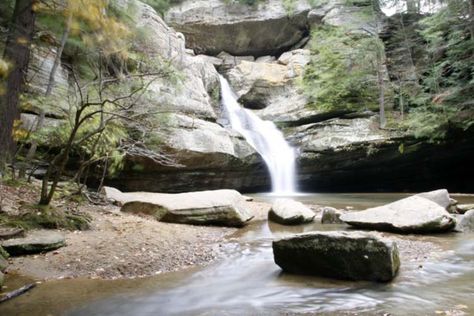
247, 282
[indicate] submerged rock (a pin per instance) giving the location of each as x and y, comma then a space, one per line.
331, 215
290, 212
2, 279
219, 207
463, 208
35, 242
466, 222
414, 214
341, 255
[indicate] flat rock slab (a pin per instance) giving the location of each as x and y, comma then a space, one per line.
35, 242
290, 212
9, 232
340, 255
414, 214
219, 207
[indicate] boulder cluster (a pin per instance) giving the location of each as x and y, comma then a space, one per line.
363, 255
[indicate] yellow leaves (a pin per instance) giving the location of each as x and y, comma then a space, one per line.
75, 27
19, 133
96, 28
37, 6
401, 148
4, 69
22, 40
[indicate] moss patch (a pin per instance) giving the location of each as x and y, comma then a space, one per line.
47, 217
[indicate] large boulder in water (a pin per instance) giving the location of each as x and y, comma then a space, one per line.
341, 255
330, 215
414, 214
290, 212
35, 242
219, 207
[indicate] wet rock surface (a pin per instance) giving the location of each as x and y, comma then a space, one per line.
342, 255
290, 212
330, 215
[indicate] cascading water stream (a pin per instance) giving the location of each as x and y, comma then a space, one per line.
267, 140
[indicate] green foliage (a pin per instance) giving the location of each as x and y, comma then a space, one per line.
430, 122
96, 147
161, 6
316, 3
289, 6
451, 46
244, 2
4, 253
446, 101
6, 11
342, 72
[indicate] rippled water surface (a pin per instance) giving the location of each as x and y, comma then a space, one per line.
247, 282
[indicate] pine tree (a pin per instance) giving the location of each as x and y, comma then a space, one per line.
17, 50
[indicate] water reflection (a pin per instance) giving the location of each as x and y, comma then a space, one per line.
249, 283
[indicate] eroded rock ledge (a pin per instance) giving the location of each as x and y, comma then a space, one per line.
211, 27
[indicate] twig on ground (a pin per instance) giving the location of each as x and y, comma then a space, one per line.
18, 292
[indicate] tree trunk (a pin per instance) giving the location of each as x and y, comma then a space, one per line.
383, 120
57, 59
471, 19
58, 165
413, 6
401, 100
17, 51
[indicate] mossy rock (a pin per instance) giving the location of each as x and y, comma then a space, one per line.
49, 218
340, 255
36, 242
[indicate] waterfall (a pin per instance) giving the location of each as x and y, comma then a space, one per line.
267, 140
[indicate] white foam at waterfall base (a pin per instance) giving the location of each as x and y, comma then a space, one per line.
267, 140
